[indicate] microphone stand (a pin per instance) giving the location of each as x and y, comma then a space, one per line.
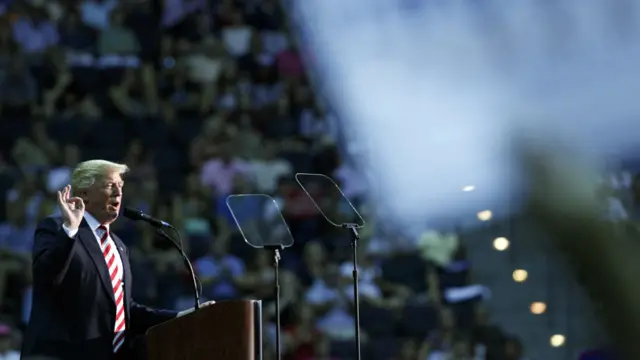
187, 263
276, 264
355, 236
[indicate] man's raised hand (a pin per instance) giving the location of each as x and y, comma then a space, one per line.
72, 208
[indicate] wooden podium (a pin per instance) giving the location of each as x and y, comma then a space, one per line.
228, 330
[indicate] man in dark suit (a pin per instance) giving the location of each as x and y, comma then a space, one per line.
82, 306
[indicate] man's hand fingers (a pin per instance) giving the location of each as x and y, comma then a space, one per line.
63, 194
60, 198
77, 202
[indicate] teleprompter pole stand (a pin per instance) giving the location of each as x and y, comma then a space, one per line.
276, 265
355, 236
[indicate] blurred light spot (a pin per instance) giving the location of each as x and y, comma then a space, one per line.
501, 244
468, 188
485, 215
557, 340
538, 307
520, 275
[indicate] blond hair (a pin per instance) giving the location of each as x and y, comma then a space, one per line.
88, 172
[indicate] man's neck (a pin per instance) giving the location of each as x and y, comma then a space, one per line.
93, 221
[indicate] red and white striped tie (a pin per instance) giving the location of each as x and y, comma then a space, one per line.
109, 252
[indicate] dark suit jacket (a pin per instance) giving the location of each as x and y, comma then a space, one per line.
73, 310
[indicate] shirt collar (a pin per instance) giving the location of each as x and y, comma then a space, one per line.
92, 222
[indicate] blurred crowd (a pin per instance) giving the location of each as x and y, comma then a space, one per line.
620, 195
203, 99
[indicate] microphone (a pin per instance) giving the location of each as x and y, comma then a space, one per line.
136, 215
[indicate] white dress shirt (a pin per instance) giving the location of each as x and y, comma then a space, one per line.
94, 226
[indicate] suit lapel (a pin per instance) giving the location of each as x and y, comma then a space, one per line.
88, 240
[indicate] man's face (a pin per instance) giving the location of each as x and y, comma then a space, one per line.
103, 199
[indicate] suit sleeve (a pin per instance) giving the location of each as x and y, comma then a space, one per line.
144, 317
52, 251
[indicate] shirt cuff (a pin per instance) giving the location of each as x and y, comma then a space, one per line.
70, 232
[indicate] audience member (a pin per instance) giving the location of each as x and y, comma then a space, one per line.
267, 169
116, 39
97, 13
409, 350
460, 350
76, 38
443, 338
237, 35
219, 272
16, 237
331, 301
300, 337
221, 172
513, 349
18, 89
321, 350
60, 173
259, 277
35, 33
